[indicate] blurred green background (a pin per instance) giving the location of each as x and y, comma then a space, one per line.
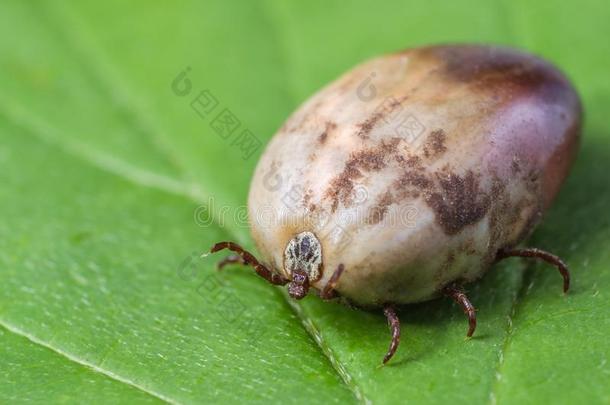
107, 176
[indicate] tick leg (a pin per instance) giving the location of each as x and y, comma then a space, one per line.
249, 259
394, 323
460, 298
328, 292
230, 260
540, 254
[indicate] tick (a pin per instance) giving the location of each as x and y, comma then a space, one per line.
411, 175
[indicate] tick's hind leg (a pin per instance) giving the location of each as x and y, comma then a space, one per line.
394, 323
244, 257
460, 298
539, 254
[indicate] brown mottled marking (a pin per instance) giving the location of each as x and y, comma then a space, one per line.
458, 201
366, 126
413, 179
531, 180
307, 197
330, 126
372, 159
435, 144
378, 212
500, 206
413, 162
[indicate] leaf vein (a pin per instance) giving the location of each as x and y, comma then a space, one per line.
96, 368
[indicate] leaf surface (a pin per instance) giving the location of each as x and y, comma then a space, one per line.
103, 295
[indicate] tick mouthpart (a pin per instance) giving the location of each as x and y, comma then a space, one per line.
299, 286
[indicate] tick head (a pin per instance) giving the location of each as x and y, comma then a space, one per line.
303, 263
299, 286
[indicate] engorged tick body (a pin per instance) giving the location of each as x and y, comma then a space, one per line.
412, 174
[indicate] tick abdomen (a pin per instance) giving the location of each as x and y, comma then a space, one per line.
411, 175
415, 168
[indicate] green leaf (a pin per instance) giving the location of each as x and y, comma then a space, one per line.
113, 185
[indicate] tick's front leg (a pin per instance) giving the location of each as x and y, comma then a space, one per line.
328, 292
244, 257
